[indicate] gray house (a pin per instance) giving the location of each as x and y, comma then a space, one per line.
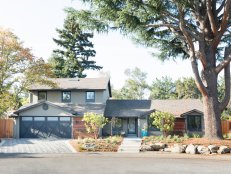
133, 115
57, 112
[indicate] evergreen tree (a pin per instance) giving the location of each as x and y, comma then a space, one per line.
73, 58
198, 30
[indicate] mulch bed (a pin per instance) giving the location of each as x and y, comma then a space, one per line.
206, 142
101, 146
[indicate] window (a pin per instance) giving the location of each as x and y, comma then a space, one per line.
66, 96
52, 118
39, 118
90, 96
42, 95
194, 122
65, 119
27, 118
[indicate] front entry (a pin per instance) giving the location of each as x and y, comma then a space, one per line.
131, 125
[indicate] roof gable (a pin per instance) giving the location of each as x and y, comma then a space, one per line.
178, 107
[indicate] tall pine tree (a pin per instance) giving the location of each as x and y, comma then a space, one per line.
75, 50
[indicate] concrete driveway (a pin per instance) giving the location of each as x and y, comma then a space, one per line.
35, 146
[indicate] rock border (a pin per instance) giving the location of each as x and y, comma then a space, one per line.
188, 149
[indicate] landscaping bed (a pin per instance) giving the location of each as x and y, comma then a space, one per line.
109, 144
176, 144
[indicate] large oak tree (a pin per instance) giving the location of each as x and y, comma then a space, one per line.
199, 30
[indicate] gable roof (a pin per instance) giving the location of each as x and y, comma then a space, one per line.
128, 108
178, 107
73, 109
139, 108
75, 83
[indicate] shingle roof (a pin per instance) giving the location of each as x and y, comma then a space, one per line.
75, 83
178, 107
139, 108
127, 108
80, 109
73, 109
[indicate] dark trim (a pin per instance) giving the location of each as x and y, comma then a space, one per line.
42, 92
109, 88
40, 103
89, 100
189, 112
63, 101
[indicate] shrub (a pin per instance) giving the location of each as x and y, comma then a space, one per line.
164, 121
94, 122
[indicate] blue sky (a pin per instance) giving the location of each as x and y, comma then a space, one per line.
35, 21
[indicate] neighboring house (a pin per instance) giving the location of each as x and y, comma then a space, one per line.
57, 112
133, 115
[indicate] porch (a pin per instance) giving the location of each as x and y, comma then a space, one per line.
125, 126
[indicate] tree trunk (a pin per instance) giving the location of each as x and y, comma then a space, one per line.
212, 112
212, 118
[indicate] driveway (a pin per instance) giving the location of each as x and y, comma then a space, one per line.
35, 146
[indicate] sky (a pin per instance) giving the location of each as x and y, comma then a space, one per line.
35, 21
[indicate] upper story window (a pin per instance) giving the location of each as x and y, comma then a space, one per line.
66, 96
90, 96
42, 95
194, 123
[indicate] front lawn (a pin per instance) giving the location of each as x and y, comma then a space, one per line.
109, 144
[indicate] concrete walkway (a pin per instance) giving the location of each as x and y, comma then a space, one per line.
130, 145
35, 146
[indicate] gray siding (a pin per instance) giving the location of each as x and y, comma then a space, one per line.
77, 97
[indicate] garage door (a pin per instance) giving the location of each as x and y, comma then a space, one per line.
45, 127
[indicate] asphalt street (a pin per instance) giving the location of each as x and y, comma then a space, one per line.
113, 163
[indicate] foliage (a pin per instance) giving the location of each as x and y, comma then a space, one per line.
163, 88
75, 50
198, 30
134, 87
164, 121
116, 123
108, 144
166, 88
94, 122
18, 70
161, 138
6, 103
186, 88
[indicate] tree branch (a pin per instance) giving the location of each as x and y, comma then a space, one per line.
226, 60
221, 6
226, 99
211, 17
224, 24
198, 80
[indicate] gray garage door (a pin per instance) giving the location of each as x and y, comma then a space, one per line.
45, 127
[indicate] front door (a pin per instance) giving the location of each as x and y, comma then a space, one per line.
131, 126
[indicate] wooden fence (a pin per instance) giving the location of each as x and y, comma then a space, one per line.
6, 128
226, 126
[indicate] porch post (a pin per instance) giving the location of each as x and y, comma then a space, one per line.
138, 127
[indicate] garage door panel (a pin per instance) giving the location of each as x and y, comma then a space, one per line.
40, 129
45, 127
